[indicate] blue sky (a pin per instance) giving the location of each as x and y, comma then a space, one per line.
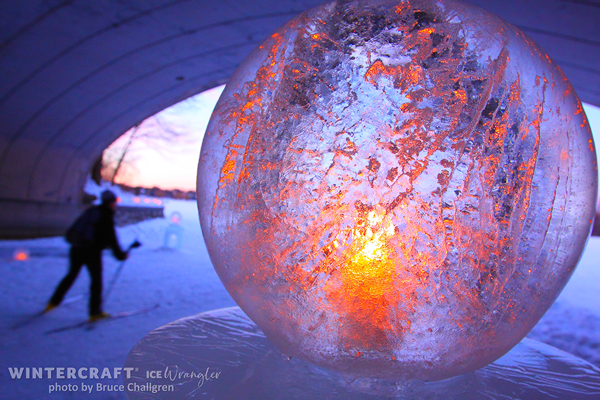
177, 169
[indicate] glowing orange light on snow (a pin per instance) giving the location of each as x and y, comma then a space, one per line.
118, 199
21, 256
146, 201
136, 199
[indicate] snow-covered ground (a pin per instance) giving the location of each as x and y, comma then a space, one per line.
184, 283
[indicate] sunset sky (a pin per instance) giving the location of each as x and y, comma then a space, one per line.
176, 168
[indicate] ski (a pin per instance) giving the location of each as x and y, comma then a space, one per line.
90, 324
37, 315
28, 320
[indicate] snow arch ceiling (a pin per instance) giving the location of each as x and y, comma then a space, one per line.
74, 75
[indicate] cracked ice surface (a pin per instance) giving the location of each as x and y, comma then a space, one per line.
397, 189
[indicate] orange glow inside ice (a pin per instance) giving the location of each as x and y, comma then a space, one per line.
367, 279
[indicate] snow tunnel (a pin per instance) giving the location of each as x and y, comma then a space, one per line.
75, 75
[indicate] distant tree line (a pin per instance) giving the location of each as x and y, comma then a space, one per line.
158, 192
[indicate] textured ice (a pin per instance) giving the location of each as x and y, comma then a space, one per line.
243, 364
397, 189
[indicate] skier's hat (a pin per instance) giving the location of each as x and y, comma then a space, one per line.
108, 197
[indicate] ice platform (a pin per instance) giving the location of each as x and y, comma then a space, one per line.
222, 354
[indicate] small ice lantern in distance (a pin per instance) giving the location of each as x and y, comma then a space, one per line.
175, 218
174, 230
397, 189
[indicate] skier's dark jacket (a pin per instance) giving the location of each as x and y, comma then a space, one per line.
95, 230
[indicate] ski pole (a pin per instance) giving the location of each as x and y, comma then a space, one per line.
112, 283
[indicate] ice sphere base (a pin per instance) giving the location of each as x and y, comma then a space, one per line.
227, 342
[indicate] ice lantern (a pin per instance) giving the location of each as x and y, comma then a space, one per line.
397, 189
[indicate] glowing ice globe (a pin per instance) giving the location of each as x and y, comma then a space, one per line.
397, 189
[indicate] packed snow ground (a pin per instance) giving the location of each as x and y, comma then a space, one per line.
184, 283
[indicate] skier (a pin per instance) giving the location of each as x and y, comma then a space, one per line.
92, 232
